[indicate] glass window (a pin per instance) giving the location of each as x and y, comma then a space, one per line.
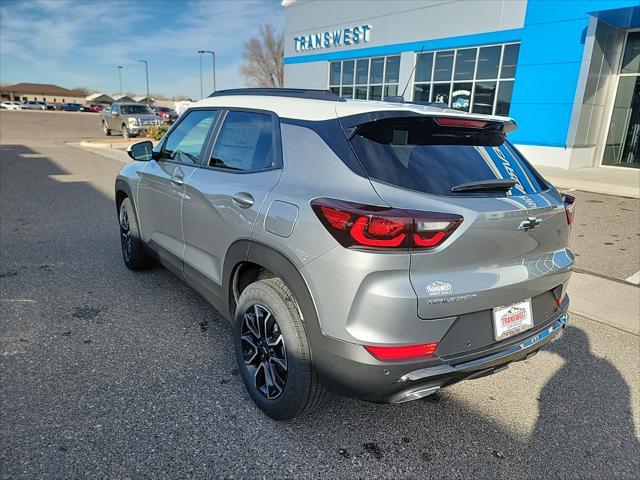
477, 69
334, 75
393, 70
483, 97
444, 66
377, 68
185, 142
245, 143
421, 92
347, 72
362, 71
505, 89
441, 93
510, 61
461, 96
418, 154
424, 64
631, 59
375, 92
357, 78
465, 64
488, 62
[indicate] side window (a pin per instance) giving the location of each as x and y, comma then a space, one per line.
245, 143
186, 140
115, 108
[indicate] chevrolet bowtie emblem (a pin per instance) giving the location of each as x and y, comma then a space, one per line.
529, 224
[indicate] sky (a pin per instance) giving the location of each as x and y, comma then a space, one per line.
73, 43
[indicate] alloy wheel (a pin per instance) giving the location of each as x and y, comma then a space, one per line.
125, 235
264, 352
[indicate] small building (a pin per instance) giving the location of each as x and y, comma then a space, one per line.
123, 99
100, 98
143, 99
41, 92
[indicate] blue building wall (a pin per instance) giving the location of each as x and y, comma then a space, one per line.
552, 45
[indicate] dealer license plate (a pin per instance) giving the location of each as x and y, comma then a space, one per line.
512, 319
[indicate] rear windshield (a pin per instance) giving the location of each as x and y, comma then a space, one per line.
135, 109
420, 155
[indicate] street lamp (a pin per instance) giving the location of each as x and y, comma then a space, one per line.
213, 57
200, 52
146, 70
120, 78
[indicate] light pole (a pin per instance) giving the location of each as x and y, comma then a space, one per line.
200, 52
120, 78
213, 58
146, 71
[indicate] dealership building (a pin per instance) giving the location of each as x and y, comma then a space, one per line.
568, 72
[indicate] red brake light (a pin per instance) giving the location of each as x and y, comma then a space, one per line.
569, 207
460, 122
402, 353
355, 225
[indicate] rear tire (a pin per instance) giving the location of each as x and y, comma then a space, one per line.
134, 253
275, 361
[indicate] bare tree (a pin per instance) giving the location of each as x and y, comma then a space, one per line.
263, 58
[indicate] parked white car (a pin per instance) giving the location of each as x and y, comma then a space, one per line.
8, 105
33, 105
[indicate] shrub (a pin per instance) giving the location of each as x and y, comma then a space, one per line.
156, 132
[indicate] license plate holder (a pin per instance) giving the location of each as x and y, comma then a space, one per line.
512, 319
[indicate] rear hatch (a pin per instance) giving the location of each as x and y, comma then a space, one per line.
512, 243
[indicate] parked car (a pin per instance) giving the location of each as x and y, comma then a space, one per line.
70, 107
166, 114
33, 105
375, 249
9, 105
130, 119
94, 108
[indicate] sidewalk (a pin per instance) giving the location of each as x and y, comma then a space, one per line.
619, 181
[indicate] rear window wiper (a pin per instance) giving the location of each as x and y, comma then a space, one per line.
482, 185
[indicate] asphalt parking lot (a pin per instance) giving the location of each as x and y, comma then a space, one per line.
106, 373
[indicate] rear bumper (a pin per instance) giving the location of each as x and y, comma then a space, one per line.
349, 370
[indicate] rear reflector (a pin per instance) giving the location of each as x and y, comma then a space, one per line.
406, 352
569, 207
460, 122
357, 225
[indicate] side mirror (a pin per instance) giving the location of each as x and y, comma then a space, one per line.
114, 113
141, 151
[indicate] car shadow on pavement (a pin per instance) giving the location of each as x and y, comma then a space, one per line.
121, 374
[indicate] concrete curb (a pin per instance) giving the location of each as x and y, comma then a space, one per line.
613, 303
118, 145
594, 187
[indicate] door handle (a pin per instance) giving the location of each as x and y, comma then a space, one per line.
243, 199
178, 180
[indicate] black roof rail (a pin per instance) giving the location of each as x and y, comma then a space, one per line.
282, 92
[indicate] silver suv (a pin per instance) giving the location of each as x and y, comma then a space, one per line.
374, 249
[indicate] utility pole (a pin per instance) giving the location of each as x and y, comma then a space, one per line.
146, 70
213, 58
200, 52
120, 78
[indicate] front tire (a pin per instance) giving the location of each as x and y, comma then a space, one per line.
134, 253
273, 352
125, 132
106, 130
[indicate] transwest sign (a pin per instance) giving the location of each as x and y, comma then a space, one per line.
333, 39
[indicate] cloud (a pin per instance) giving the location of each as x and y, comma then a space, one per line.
81, 43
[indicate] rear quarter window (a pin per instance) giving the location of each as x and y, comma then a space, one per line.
420, 155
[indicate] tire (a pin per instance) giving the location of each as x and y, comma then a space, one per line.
301, 392
134, 253
125, 132
106, 129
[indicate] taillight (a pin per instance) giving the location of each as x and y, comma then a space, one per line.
460, 122
569, 207
356, 225
404, 352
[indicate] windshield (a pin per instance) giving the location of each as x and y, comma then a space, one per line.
135, 109
418, 154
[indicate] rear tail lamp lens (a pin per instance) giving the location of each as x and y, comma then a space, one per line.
460, 122
356, 225
406, 352
569, 207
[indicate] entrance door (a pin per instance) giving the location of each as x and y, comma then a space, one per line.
623, 141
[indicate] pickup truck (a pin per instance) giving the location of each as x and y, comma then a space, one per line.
130, 119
